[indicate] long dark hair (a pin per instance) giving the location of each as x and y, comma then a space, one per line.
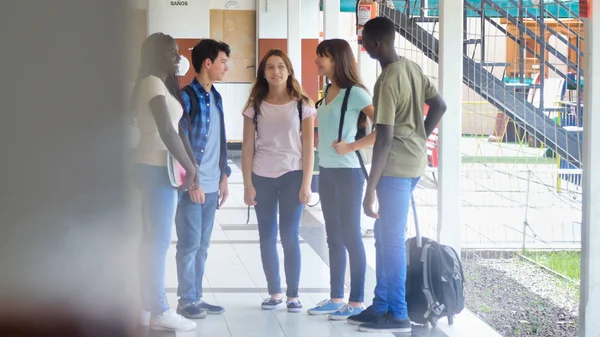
155, 61
260, 89
345, 74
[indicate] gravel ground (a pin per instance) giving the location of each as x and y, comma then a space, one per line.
518, 298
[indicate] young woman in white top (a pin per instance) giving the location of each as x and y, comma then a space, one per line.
158, 107
277, 164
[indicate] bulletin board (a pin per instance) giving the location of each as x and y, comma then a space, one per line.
237, 28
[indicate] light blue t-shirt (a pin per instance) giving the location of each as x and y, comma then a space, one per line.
329, 122
210, 174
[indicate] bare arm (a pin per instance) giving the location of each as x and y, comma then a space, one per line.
187, 145
381, 152
308, 150
248, 151
437, 108
168, 134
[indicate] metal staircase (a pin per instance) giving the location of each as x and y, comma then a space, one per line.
476, 75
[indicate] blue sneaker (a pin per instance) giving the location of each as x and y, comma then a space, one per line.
344, 312
191, 311
210, 309
325, 308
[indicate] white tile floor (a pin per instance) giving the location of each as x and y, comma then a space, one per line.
234, 279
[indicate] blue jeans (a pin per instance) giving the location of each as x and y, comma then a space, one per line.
159, 202
341, 191
393, 195
284, 192
194, 224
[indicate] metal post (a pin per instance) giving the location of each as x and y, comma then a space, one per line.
542, 55
522, 45
526, 221
483, 23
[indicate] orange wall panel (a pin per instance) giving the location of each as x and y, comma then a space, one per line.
264, 45
310, 77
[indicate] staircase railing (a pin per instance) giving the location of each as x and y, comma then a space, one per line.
488, 86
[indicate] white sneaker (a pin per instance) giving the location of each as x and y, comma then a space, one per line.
171, 321
144, 317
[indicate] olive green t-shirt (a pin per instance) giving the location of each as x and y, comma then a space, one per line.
399, 99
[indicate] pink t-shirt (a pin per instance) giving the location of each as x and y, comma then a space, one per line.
278, 147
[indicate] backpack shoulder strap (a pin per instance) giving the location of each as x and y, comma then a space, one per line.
300, 112
193, 101
319, 102
256, 112
343, 113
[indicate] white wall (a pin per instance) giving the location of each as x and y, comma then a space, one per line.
234, 99
347, 25
272, 19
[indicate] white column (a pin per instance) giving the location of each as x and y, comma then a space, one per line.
331, 19
589, 305
367, 68
450, 85
294, 36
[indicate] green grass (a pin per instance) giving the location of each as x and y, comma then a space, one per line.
566, 263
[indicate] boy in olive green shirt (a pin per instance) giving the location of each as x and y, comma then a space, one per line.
399, 160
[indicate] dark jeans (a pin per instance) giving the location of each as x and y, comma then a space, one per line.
341, 191
393, 195
271, 194
194, 223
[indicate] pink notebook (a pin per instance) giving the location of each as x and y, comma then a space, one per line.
176, 172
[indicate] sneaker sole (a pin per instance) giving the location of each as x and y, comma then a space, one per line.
295, 310
164, 328
215, 312
199, 316
399, 330
353, 322
271, 307
337, 318
321, 313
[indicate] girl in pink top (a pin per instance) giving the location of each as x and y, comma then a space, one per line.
277, 164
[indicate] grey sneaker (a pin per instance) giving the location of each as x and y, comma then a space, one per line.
271, 303
191, 311
210, 309
294, 306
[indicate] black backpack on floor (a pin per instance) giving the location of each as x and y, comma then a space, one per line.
434, 279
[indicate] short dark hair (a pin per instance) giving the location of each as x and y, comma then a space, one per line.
380, 29
208, 49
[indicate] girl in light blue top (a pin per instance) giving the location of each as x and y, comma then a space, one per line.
341, 179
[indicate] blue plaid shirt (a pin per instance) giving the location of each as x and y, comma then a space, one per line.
198, 132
